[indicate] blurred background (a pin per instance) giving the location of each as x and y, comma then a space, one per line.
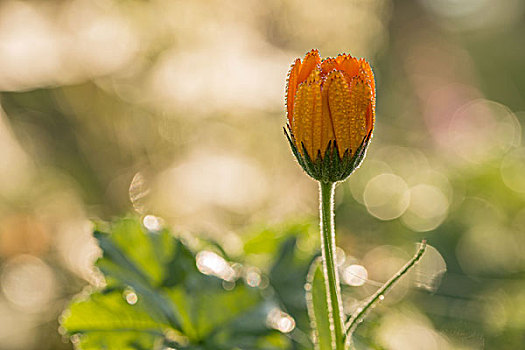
176, 108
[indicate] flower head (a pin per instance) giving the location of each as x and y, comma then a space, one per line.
331, 112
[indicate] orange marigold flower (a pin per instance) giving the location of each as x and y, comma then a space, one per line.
331, 112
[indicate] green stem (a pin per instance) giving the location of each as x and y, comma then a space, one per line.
380, 294
329, 263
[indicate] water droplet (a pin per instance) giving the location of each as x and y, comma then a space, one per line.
130, 296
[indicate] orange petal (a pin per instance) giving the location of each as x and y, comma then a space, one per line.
367, 70
311, 60
360, 110
340, 58
327, 126
307, 113
349, 65
317, 120
291, 88
339, 105
370, 117
328, 65
365, 66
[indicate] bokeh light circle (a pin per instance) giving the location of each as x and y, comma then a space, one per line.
513, 169
355, 275
427, 210
482, 130
28, 283
387, 196
367, 171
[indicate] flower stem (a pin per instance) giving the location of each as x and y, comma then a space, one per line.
331, 275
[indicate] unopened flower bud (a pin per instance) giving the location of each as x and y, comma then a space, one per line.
331, 113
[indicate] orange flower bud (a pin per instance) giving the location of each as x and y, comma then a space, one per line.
331, 112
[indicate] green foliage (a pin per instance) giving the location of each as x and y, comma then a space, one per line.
275, 249
288, 276
111, 323
155, 297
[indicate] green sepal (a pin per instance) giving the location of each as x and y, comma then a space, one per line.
332, 167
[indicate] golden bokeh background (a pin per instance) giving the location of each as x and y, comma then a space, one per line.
175, 109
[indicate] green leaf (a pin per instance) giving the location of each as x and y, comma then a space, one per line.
208, 311
133, 258
104, 314
131, 255
317, 301
155, 297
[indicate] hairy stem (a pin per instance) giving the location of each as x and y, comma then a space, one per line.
380, 294
331, 275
